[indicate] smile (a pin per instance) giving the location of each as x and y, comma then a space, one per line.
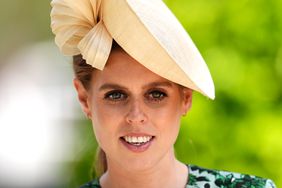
138, 143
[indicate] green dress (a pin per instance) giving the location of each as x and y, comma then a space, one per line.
206, 178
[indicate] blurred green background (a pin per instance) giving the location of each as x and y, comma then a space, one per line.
241, 42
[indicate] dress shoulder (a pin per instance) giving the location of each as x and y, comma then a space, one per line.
206, 178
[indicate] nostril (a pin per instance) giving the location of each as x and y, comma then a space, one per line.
136, 119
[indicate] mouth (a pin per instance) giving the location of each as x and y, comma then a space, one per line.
137, 143
137, 140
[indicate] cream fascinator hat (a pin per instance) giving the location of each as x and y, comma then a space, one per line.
146, 29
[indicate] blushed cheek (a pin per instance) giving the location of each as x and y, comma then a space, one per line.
99, 124
169, 113
103, 135
167, 121
106, 123
109, 110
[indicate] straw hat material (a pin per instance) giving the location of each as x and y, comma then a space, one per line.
146, 29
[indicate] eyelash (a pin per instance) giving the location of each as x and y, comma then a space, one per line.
110, 96
117, 95
150, 97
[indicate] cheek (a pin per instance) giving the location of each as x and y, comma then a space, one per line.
168, 112
105, 121
167, 121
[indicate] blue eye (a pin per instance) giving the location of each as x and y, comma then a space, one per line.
156, 95
115, 96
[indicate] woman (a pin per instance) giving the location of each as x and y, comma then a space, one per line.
135, 71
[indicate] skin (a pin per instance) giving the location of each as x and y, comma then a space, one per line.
124, 99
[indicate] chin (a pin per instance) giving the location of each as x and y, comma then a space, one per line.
139, 163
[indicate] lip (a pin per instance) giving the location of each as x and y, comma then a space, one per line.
137, 134
137, 149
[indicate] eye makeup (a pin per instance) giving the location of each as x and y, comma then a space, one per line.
153, 95
156, 95
115, 95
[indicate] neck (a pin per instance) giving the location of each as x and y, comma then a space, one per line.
168, 172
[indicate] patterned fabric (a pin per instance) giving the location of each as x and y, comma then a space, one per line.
201, 177
205, 178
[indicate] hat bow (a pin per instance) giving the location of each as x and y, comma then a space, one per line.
79, 29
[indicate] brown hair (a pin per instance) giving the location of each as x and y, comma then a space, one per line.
83, 72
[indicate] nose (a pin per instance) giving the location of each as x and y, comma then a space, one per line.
136, 115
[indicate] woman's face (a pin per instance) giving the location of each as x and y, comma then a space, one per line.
135, 113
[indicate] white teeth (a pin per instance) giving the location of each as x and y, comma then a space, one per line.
137, 140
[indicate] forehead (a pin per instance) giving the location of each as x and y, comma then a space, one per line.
123, 69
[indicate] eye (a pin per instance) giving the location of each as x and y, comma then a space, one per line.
115, 96
156, 95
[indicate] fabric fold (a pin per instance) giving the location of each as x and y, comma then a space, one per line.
96, 46
72, 21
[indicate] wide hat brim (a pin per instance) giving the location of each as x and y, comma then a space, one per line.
146, 29
149, 32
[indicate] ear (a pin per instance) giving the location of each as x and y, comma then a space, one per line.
186, 100
83, 97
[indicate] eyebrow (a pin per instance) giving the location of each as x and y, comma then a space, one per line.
111, 86
120, 87
159, 84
